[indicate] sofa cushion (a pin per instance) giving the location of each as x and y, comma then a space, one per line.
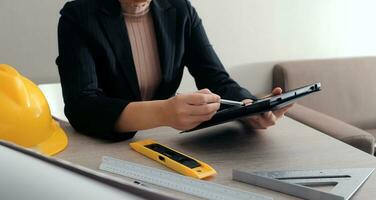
372, 131
333, 127
348, 87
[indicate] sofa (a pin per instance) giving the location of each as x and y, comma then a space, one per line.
346, 107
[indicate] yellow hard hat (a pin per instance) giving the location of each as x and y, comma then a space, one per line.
25, 117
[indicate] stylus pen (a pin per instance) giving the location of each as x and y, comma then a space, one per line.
232, 103
228, 102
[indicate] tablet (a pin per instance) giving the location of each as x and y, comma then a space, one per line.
259, 106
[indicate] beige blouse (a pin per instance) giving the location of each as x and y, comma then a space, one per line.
144, 46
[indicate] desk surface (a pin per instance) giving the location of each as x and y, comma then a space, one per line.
287, 146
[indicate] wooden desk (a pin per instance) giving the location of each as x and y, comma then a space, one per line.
289, 145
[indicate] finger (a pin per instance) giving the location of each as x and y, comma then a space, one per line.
204, 109
200, 99
267, 115
205, 91
265, 120
247, 102
250, 123
280, 112
258, 124
269, 119
277, 91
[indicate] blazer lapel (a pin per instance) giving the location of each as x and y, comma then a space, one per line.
114, 26
164, 17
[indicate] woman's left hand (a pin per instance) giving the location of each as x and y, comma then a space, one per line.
265, 120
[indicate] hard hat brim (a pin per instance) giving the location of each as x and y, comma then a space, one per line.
54, 144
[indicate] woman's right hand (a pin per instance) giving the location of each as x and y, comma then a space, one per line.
186, 111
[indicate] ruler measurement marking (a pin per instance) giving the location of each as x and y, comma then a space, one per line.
176, 182
185, 189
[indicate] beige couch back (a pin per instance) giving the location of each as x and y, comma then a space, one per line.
348, 87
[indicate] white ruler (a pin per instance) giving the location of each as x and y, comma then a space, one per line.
177, 182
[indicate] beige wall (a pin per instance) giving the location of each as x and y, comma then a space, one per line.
265, 31
28, 37
242, 31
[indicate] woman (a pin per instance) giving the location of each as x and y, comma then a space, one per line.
121, 62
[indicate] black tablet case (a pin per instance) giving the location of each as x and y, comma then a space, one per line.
259, 106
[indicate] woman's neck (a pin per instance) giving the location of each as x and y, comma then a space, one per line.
135, 7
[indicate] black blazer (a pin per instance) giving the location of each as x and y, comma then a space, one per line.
96, 66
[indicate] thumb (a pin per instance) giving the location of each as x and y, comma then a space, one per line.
277, 91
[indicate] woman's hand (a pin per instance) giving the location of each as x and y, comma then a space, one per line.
265, 120
186, 111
